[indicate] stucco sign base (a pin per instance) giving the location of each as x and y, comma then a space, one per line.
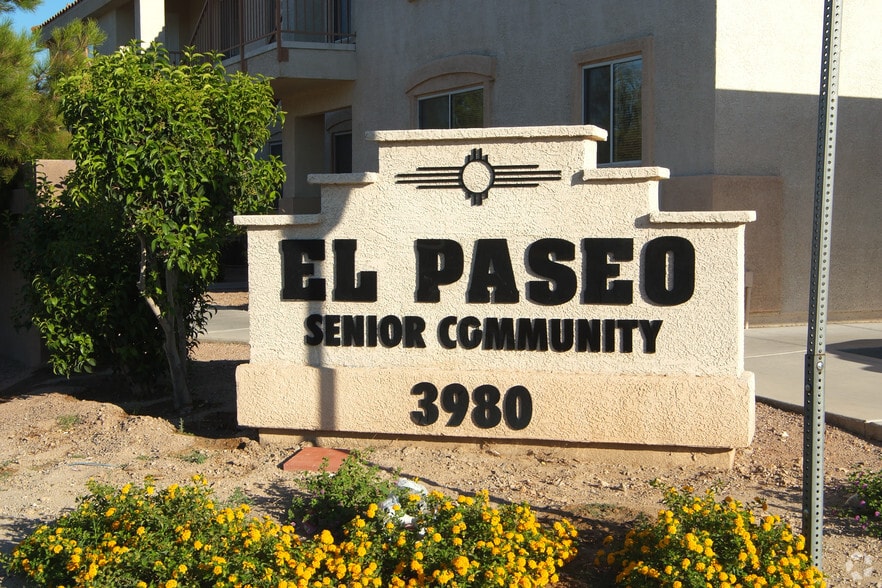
495, 285
685, 411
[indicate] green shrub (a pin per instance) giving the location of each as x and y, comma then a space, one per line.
699, 542
866, 505
335, 498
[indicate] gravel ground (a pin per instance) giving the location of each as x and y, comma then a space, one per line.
60, 433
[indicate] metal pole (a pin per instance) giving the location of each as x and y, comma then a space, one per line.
815, 357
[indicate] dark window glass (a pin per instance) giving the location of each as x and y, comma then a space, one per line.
458, 110
597, 110
342, 153
435, 112
467, 109
612, 101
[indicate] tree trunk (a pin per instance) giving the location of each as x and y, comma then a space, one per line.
174, 346
176, 343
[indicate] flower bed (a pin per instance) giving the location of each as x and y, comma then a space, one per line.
179, 536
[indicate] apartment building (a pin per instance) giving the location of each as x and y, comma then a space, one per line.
722, 93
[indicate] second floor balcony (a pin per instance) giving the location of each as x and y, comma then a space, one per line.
279, 38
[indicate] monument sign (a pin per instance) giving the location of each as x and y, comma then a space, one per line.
495, 284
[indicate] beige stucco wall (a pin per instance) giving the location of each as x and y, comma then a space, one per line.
733, 87
537, 47
768, 79
730, 92
763, 255
636, 397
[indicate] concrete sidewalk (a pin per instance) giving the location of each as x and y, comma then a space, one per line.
227, 326
852, 379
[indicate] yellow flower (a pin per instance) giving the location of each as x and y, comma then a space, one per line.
461, 564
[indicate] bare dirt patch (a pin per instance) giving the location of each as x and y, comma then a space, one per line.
59, 433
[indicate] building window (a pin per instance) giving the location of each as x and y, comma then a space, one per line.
452, 110
612, 100
341, 152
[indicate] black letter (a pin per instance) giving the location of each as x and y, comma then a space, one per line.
444, 332
390, 331
294, 252
413, 331
314, 326
588, 335
626, 328
344, 275
469, 332
352, 331
332, 330
598, 269
532, 335
561, 334
499, 334
491, 268
655, 259
542, 258
650, 331
431, 271
609, 335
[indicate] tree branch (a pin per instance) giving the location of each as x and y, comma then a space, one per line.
142, 288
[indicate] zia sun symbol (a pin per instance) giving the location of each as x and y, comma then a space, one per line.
476, 176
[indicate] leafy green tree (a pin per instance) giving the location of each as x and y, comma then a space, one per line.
82, 288
166, 154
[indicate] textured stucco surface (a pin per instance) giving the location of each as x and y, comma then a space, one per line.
691, 391
684, 411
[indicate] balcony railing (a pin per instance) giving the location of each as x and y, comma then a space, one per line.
234, 27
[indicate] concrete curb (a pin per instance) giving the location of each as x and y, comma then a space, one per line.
870, 430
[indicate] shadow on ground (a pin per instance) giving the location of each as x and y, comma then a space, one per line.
212, 386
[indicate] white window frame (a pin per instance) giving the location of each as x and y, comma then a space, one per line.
611, 105
620, 52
